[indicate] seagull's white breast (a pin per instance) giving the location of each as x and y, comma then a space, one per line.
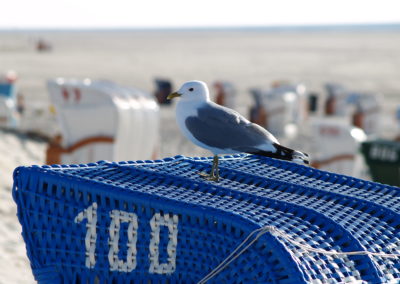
183, 111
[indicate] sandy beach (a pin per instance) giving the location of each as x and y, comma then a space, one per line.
363, 60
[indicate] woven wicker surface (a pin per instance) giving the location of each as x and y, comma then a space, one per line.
160, 221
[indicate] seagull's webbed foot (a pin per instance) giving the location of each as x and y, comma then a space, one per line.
214, 174
212, 178
204, 175
209, 176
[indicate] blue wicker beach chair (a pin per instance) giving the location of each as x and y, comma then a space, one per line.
266, 221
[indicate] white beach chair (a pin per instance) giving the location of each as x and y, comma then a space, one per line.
101, 120
336, 146
285, 105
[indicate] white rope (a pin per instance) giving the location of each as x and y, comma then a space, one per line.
227, 260
274, 231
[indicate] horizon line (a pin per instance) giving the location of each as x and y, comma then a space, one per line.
334, 26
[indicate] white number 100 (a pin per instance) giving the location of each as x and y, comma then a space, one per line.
118, 217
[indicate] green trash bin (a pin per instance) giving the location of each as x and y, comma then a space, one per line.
383, 159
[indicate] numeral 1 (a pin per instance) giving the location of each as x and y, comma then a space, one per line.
90, 214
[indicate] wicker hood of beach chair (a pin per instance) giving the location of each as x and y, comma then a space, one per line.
265, 221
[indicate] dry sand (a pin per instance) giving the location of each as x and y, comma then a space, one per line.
360, 60
14, 150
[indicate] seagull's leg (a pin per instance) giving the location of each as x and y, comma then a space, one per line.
214, 174
216, 169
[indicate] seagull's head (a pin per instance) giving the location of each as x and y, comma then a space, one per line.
192, 91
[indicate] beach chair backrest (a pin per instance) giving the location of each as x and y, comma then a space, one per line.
336, 145
121, 122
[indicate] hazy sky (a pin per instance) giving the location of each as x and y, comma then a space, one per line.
181, 13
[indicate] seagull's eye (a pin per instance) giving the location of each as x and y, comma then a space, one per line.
191, 90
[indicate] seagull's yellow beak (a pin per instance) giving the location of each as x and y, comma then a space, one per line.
173, 95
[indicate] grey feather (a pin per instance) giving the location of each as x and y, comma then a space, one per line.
223, 128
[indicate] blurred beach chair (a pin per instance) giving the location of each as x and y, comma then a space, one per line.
39, 119
335, 103
9, 117
280, 107
336, 146
367, 111
363, 109
383, 159
100, 120
397, 118
257, 113
225, 94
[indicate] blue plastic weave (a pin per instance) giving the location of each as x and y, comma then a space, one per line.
316, 208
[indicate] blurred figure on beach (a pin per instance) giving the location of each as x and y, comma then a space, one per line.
20, 103
163, 89
43, 46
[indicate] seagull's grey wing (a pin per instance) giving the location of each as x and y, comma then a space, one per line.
223, 128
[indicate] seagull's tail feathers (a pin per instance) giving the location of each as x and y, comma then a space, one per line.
283, 153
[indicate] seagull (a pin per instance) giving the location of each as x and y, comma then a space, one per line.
222, 130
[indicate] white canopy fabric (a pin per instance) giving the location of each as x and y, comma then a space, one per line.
284, 105
336, 146
88, 109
